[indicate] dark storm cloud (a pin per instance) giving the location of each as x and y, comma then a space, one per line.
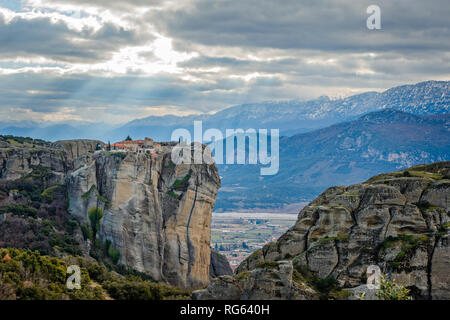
215, 61
40, 36
310, 24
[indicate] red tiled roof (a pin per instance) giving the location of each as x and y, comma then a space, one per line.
119, 145
131, 142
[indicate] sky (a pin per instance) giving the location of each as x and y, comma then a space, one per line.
115, 61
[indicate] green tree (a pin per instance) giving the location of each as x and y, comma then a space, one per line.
128, 138
87, 232
390, 290
95, 215
114, 254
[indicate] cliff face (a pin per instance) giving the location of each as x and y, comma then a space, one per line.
20, 156
219, 265
16, 162
156, 214
272, 281
398, 221
77, 148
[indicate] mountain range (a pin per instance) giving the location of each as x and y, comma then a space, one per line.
291, 116
324, 141
343, 153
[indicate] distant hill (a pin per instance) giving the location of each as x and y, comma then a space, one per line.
344, 153
54, 132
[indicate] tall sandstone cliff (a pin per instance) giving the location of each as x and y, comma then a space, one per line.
156, 213
398, 221
160, 225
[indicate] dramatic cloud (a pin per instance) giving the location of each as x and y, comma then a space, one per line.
312, 24
60, 38
115, 60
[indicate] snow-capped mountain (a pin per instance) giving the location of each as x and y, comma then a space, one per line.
345, 153
290, 116
293, 116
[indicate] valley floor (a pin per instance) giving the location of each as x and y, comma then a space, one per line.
236, 235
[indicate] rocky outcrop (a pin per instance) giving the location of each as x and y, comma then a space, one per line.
398, 221
20, 156
156, 214
80, 147
274, 281
18, 161
363, 292
219, 265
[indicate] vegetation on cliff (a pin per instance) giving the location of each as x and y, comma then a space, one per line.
28, 275
34, 215
13, 141
40, 238
398, 221
35, 225
391, 290
64, 200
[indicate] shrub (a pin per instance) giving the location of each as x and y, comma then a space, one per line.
20, 210
267, 265
181, 184
87, 193
119, 155
423, 204
305, 272
390, 290
28, 275
172, 194
327, 284
95, 215
48, 194
170, 165
87, 232
134, 289
114, 254
72, 224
